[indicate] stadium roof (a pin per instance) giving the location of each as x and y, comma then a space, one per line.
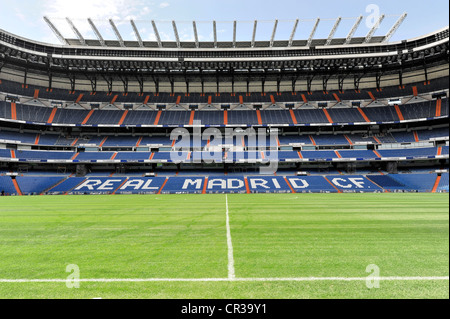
217, 44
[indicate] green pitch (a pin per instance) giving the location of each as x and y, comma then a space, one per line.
185, 237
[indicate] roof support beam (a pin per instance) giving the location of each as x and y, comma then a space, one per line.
175, 31
56, 31
116, 31
395, 27
400, 78
309, 81
50, 80
93, 80
378, 80
353, 30
136, 32
75, 30
155, 30
255, 27
97, 33
141, 81
156, 81
125, 83
374, 28
234, 33
194, 25
313, 32
357, 81
368, 39
73, 81
25, 76
425, 68
333, 31
341, 79
109, 82
294, 30
274, 32
215, 33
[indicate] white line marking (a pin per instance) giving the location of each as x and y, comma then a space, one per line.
231, 270
304, 279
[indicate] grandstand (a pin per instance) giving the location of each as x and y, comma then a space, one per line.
363, 115
289, 168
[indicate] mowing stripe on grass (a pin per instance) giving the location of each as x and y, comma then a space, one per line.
304, 279
231, 270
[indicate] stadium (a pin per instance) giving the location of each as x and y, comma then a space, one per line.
224, 169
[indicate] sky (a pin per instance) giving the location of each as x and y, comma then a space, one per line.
25, 17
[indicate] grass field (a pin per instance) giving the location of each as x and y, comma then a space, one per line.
293, 237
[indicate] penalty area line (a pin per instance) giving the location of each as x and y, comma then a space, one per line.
301, 279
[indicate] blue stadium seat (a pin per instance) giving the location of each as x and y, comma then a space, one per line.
143, 185
353, 184
117, 141
133, 156
99, 185
25, 138
36, 185
44, 155
444, 183
67, 185
425, 135
91, 156
419, 152
268, 185
4, 153
311, 184
7, 186
319, 155
358, 154
184, 185
416, 182
330, 140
